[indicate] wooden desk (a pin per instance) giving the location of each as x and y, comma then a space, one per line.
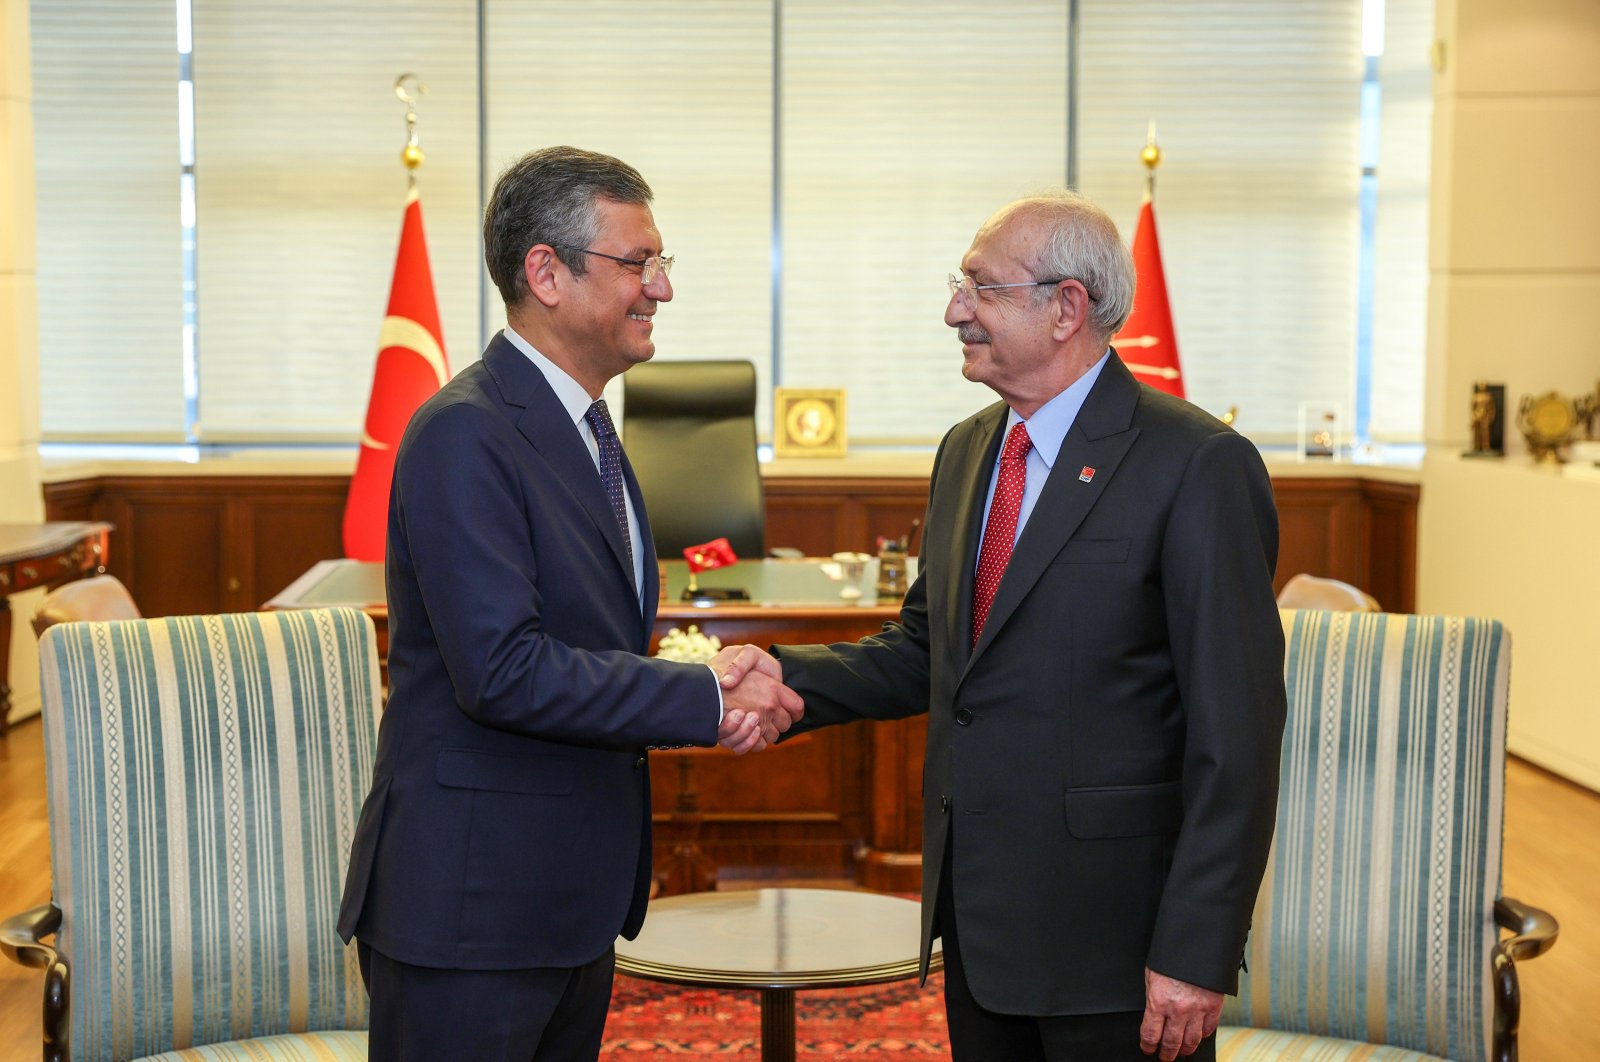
777, 941
843, 803
42, 555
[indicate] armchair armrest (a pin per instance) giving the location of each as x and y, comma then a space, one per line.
1535, 931
21, 935
21, 938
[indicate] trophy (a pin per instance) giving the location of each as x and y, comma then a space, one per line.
1549, 422
1488, 420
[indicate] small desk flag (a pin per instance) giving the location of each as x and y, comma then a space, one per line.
718, 553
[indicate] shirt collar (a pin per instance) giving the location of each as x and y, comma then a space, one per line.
1048, 426
569, 392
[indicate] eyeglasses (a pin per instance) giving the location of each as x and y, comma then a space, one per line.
966, 289
649, 268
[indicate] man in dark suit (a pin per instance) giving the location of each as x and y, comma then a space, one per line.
1094, 637
506, 840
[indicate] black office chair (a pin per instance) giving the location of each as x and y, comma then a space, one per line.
690, 431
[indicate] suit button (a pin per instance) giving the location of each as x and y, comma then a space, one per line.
638, 764
944, 804
963, 717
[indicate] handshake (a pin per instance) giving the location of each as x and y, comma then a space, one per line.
757, 706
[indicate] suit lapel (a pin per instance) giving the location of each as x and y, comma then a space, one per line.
1099, 439
968, 485
544, 422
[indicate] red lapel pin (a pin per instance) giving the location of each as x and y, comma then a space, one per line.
1087, 475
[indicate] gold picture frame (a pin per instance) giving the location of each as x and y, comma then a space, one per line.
808, 422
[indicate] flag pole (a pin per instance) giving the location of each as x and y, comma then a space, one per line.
1151, 157
412, 155
411, 364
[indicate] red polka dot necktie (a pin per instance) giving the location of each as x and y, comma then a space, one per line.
1001, 531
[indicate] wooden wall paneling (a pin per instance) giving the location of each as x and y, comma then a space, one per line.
1319, 524
294, 524
893, 860
804, 523
886, 516
1389, 512
73, 500
176, 548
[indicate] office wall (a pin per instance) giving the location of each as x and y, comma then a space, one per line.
20, 499
1515, 299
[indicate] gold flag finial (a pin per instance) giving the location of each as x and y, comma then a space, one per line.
1151, 157
411, 155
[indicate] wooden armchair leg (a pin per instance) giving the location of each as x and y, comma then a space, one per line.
1534, 932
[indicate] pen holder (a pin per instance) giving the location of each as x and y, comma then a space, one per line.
891, 572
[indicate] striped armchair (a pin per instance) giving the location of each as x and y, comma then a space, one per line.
205, 775
1379, 918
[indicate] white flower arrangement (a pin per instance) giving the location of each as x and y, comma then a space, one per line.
688, 647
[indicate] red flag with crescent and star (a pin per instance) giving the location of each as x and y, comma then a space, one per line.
411, 367
1148, 343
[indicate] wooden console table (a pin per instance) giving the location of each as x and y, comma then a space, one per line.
42, 555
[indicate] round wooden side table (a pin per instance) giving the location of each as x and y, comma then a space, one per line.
777, 941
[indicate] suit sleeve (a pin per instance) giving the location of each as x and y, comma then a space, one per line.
462, 510
883, 676
1220, 550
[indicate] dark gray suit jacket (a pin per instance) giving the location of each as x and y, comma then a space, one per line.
508, 824
1105, 761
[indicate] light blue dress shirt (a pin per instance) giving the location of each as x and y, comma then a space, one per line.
1048, 429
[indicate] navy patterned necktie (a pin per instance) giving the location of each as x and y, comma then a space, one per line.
605, 433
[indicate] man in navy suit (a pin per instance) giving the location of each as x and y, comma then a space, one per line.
506, 840
1094, 639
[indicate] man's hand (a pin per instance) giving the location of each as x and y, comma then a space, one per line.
752, 682
1177, 1015
740, 732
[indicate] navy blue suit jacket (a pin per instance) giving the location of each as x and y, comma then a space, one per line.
508, 825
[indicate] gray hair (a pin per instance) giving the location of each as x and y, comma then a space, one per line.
548, 196
1083, 243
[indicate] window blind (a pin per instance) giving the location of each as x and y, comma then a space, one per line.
300, 194
1256, 203
905, 125
681, 91
105, 93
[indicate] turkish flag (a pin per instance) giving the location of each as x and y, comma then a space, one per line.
411, 367
1147, 343
718, 553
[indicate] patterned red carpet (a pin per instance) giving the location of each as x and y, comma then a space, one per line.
884, 1023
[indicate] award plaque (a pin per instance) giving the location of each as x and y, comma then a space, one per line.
1320, 428
808, 422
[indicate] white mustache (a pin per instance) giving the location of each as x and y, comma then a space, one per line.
971, 333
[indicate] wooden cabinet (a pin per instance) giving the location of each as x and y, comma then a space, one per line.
188, 545
194, 544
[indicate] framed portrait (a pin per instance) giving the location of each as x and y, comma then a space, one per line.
808, 422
